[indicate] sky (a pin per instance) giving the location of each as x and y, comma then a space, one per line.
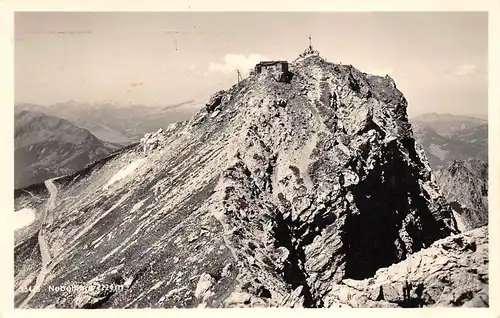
439, 60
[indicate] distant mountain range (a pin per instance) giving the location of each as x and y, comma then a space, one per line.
447, 137
110, 121
47, 146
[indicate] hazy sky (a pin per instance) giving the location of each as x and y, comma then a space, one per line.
438, 60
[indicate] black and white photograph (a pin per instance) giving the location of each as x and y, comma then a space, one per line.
250, 159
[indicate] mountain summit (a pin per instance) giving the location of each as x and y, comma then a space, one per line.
282, 187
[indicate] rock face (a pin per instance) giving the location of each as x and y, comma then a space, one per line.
452, 272
465, 185
289, 189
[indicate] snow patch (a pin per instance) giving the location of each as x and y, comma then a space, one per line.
23, 217
125, 172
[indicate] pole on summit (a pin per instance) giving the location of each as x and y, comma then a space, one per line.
239, 76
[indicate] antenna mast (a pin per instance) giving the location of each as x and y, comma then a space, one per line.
310, 44
239, 76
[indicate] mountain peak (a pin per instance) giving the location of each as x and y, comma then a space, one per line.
300, 176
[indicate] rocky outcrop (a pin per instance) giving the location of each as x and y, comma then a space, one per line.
464, 184
270, 197
158, 139
214, 101
152, 141
451, 272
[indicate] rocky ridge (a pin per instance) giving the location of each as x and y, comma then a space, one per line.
272, 195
